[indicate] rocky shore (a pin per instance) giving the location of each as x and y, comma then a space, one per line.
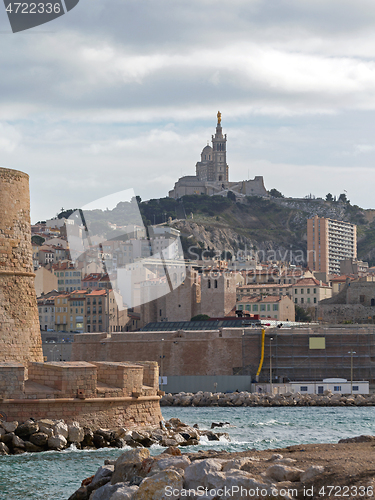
323, 471
258, 399
46, 434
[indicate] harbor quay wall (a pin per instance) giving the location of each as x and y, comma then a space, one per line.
298, 353
106, 394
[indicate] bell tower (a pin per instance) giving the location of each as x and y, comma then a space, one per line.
219, 147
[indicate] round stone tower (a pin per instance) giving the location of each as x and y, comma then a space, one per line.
20, 339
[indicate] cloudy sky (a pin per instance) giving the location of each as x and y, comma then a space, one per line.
121, 94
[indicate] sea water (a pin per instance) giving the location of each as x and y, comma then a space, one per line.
56, 475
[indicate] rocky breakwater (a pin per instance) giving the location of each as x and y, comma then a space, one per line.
258, 399
46, 434
301, 471
137, 476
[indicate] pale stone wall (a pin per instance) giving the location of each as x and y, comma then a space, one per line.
12, 379
20, 339
94, 394
89, 413
218, 294
66, 377
185, 352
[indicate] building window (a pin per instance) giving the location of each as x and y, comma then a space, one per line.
295, 291
209, 284
303, 388
314, 290
308, 300
337, 388
361, 298
262, 307
302, 300
296, 301
301, 290
215, 283
255, 307
276, 307
308, 290
355, 388
314, 300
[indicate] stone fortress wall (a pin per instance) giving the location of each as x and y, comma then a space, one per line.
20, 339
237, 351
96, 394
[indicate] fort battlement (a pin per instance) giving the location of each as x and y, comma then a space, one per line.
95, 394
103, 394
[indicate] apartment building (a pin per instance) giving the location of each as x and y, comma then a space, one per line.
328, 243
263, 289
68, 276
272, 307
310, 291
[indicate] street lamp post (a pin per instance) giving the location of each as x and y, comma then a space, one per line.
351, 352
271, 386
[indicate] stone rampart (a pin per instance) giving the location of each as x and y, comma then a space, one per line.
19, 321
93, 394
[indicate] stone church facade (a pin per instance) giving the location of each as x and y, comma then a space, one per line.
212, 173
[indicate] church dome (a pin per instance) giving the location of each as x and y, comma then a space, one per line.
206, 154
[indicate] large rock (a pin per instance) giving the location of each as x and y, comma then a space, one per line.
46, 430
39, 439
124, 493
88, 437
236, 463
160, 486
27, 428
311, 472
4, 450
57, 442
175, 462
75, 433
132, 456
107, 491
206, 473
17, 442
239, 479
358, 439
61, 429
103, 471
9, 426
32, 448
284, 473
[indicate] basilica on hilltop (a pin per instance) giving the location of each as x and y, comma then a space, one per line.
212, 173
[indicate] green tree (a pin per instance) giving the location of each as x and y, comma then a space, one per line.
329, 197
302, 315
275, 193
231, 195
343, 198
200, 317
37, 240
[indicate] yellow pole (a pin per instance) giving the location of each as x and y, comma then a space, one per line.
262, 354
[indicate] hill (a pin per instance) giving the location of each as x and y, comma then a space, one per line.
275, 228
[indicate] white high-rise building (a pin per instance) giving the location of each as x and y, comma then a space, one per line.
329, 242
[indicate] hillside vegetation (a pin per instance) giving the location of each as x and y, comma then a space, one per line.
219, 224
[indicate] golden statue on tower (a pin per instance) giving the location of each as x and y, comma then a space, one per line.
218, 118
